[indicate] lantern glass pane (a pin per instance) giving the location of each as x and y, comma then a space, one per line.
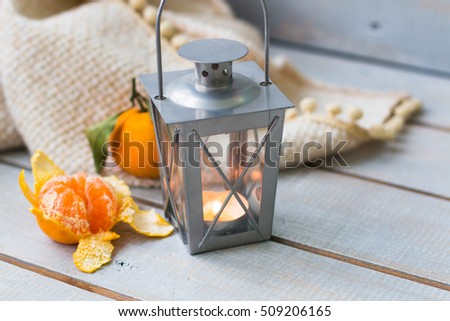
179, 208
237, 192
170, 154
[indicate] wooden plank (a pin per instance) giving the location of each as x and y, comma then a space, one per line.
403, 31
18, 157
432, 91
393, 162
340, 204
149, 196
19, 284
21, 158
381, 225
162, 269
424, 215
386, 226
419, 159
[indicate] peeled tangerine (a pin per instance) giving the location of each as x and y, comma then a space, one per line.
82, 209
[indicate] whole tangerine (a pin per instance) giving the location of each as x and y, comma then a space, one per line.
137, 151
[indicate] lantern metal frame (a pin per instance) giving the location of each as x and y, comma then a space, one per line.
247, 104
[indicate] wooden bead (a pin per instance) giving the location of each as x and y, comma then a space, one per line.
291, 113
402, 112
408, 108
149, 15
396, 123
168, 30
355, 114
389, 134
388, 130
416, 105
377, 132
137, 5
333, 110
308, 105
381, 132
180, 40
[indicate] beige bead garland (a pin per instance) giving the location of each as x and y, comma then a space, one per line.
406, 109
180, 40
149, 15
168, 30
333, 110
137, 5
355, 113
308, 105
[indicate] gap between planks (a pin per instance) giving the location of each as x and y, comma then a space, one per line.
66, 279
361, 263
416, 122
326, 52
12, 161
385, 183
336, 171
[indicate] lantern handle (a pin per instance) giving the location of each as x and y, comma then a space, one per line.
266, 81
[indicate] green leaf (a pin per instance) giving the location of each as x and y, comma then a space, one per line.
98, 136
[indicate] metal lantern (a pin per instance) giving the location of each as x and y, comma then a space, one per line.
219, 129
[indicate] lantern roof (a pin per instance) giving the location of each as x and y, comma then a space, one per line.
184, 102
213, 50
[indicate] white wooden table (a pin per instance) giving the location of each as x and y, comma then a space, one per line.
378, 230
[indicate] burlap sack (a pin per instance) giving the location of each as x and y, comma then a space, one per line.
9, 137
66, 66
65, 72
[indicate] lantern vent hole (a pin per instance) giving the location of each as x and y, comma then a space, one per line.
213, 59
264, 84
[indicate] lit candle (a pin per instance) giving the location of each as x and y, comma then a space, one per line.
232, 213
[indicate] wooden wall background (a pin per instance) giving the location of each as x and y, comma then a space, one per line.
410, 32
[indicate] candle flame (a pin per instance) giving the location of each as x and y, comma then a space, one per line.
213, 201
216, 207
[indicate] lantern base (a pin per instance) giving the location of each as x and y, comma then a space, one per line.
228, 241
